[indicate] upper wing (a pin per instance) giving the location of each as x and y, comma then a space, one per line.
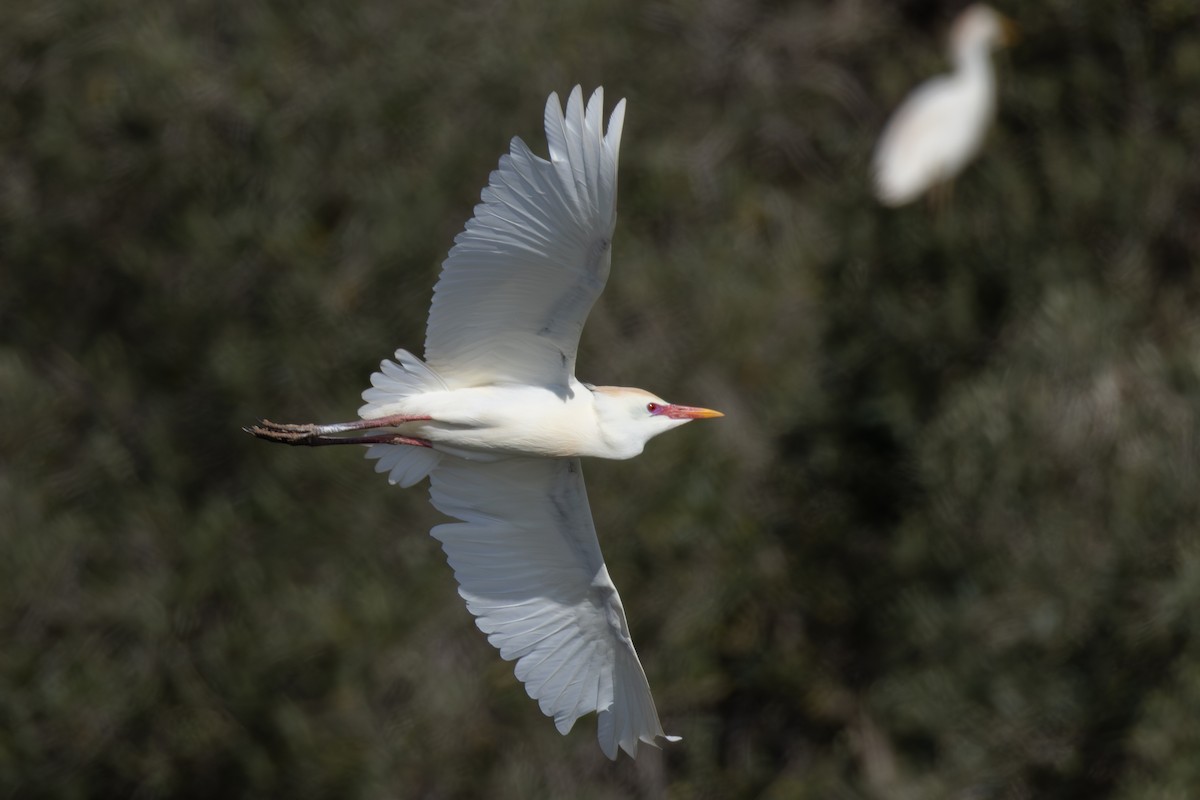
529, 566
520, 280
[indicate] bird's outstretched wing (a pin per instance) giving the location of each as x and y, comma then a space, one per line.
529, 566
520, 280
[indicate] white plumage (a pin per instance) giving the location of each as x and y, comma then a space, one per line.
941, 126
497, 420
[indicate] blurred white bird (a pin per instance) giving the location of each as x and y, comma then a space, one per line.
941, 125
495, 417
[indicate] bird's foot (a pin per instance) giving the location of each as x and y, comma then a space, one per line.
284, 432
310, 434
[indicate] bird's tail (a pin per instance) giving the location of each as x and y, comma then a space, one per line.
395, 381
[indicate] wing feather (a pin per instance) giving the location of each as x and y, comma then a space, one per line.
529, 566
517, 286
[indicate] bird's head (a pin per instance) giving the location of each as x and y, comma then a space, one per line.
628, 418
981, 28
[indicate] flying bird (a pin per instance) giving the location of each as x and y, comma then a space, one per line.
941, 125
497, 420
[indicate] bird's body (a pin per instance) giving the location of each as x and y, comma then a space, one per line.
484, 423
941, 126
938, 130
497, 420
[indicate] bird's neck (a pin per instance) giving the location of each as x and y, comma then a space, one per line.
610, 438
973, 63
619, 446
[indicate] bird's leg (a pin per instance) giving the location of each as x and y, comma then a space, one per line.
312, 435
940, 197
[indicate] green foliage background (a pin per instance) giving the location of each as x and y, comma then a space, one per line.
944, 544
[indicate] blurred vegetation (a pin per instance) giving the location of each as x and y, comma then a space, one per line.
945, 544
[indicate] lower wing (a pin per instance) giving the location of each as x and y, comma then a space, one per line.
529, 566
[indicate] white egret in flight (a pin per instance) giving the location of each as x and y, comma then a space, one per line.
496, 418
941, 125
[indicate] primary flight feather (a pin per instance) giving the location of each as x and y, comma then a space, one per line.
497, 420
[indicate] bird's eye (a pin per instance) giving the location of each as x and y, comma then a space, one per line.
652, 407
